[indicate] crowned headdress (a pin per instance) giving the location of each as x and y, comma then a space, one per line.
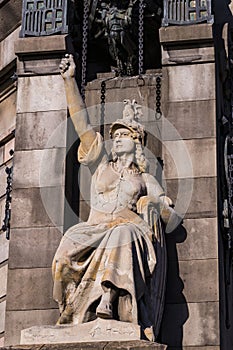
131, 114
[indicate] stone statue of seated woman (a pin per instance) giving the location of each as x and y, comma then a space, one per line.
109, 266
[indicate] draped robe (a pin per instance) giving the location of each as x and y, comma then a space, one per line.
114, 246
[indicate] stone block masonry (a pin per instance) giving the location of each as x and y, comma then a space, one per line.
38, 192
192, 298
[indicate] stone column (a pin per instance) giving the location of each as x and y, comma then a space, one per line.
7, 126
191, 314
37, 198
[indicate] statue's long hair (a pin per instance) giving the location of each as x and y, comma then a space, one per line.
141, 161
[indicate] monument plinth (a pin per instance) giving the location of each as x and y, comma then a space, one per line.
97, 330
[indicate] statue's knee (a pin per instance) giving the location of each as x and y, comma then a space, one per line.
122, 234
60, 262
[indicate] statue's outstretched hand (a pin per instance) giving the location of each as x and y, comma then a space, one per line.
67, 67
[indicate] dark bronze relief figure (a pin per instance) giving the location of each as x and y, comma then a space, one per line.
113, 34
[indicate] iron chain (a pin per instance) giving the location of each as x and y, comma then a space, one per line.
102, 106
84, 47
7, 218
140, 37
158, 112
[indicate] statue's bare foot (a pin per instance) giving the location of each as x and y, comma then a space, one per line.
66, 316
64, 319
104, 310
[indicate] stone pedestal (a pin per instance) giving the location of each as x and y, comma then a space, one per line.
103, 345
98, 330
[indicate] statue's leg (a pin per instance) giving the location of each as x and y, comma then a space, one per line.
64, 286
104, 309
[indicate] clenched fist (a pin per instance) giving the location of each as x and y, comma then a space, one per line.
67, 67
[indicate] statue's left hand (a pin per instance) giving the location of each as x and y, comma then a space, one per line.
144, 202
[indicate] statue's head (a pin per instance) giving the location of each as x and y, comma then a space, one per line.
131, 114
129, 128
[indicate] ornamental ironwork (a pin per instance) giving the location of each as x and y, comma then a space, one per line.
44, 17
181, 12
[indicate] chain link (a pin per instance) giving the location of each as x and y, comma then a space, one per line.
102, 106
158, 113
7, 218
84, 47
140, 37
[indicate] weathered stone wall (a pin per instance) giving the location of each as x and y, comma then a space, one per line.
10, 16
38, 189
192, 300
7, 126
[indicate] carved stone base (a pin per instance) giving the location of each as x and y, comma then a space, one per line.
98, 330
103, 345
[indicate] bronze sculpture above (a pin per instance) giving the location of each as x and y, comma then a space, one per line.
117, 37
113, 265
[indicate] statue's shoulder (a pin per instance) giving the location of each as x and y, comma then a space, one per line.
152, 184
149, 178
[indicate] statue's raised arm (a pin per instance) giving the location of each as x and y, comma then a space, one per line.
76, 105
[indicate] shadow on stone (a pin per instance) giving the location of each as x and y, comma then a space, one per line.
176, 309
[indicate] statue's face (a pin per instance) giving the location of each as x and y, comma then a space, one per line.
123, 141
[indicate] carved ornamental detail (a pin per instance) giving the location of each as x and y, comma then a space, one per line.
180, 12
44, 17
